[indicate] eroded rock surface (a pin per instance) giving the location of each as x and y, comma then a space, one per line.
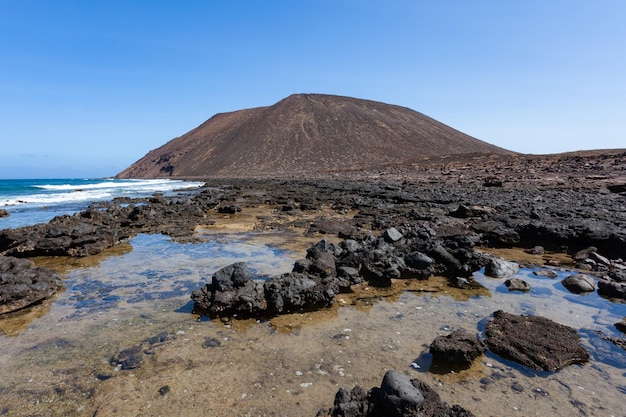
398, 396
22, 284
458, 348
534, 341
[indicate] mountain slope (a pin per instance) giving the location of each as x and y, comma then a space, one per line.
305, 133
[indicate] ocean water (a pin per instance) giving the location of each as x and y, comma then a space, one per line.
31, 201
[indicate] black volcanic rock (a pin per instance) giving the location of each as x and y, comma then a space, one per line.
22, 284
305, 133
458, 348
534, 341
398, 396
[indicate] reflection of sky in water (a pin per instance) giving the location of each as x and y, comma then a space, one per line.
549, 298
158, 268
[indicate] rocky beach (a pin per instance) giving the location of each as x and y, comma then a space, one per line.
455, 286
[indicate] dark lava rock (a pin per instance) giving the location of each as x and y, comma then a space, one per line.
618, 275
230, 209
293, 291
612, 289
211, 342
464, 212
392, 235
516, 284
4, 213
22, 284
617, 188
579, 283
534, 341
492, 182
499, 268
459, 347
585, 253
418, 260
130, 358
232, 290
535, 250
398, 396
546, 273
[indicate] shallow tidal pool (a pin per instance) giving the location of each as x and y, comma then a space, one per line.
56, 357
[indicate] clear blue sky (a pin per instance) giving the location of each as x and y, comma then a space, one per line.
87, 88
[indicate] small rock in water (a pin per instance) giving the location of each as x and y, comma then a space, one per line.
579, 283
516, 386
210, 342
130, 358
516, 284
458, 348
546, 273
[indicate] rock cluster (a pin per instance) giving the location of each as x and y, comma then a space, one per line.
104, 225
397, 396
329, 269
232, 291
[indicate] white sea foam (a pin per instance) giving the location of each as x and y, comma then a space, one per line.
107, 189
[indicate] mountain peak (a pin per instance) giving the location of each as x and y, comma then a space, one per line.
305, 133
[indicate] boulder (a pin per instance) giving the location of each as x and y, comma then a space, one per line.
612, 289
546, 273
458, 348
398, 393
4, 213
534, 341
392, 235
22, 284
579, 283
293, 292
516, 284
418, 260
618, 275
231, 291
499, 268
398, 396
229, 209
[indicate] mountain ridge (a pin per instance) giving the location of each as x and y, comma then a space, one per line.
305, 133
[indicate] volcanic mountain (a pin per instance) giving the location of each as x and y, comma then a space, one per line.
305, 133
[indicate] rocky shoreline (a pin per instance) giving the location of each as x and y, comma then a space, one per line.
387, 226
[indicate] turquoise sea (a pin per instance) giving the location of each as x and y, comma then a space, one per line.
31, 201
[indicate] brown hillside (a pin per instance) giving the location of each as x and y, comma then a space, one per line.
305, 133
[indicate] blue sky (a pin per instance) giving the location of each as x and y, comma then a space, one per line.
87, 88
